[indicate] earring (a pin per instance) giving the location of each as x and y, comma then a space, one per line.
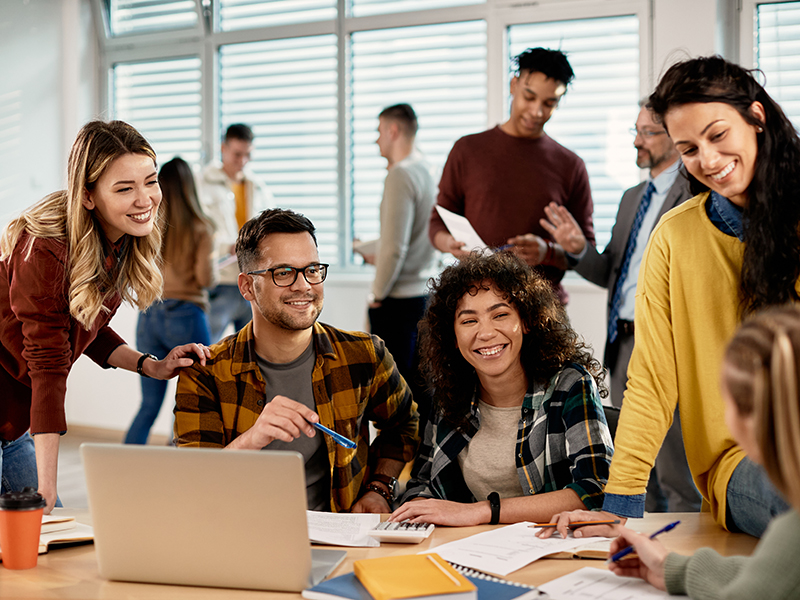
760, 129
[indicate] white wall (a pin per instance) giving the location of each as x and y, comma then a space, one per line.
50, 87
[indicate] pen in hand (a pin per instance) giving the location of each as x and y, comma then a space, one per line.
625, 551
338, 438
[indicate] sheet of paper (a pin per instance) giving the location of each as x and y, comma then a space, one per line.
598, 584
461, 229
504, 550
342, 529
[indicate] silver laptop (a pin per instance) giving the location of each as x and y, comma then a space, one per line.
202, 517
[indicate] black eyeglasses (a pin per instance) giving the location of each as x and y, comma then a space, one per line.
286, 276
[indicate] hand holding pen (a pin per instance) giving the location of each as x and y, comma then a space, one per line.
647, 563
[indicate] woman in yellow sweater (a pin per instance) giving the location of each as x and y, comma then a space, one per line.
727, 252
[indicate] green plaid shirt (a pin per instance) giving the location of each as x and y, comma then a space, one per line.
355, 381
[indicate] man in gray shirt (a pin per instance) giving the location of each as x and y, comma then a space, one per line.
405, 258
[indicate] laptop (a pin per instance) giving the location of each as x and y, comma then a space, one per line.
202, 517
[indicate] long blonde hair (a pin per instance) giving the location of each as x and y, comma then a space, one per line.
62, 215
762, 365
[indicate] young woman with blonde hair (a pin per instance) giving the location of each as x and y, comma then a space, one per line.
189, 269
66, 264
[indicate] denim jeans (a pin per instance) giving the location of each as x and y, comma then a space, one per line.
18, 465
227, 306
752, 500
162, 327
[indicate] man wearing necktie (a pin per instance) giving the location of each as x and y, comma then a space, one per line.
617, 269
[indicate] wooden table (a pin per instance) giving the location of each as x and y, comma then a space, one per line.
72, 572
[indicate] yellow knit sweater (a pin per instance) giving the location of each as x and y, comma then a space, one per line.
687, 308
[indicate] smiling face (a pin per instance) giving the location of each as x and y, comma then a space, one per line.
126, 196
718, 147
235, 155
489, 333
279, 309
534, 98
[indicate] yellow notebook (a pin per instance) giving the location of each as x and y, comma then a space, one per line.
413, 576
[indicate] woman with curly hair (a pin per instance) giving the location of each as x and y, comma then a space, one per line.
66, 264
517, 407
731, 250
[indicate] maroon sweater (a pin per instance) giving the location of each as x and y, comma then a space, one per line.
40, 340
502, 183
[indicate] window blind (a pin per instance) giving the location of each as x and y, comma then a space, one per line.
778, 54
140, 16
594, 117
245, 14
162, 99
286, 90
363, 8
11, 118
440, 70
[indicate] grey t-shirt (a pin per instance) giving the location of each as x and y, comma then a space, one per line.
293, 380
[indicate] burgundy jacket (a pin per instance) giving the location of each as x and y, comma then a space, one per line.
40, 340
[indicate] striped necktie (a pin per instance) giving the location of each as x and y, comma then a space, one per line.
616, 301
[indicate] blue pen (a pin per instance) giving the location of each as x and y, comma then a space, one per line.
338, 438
504, 247
624, 552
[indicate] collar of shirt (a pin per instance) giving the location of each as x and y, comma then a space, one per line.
726, 216
664, 181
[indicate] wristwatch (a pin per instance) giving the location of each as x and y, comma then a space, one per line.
387, 480
494, 504
140, 364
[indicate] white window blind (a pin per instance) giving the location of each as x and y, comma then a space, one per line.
440, 70
363, 8
601, 105
245, 14
778, 54
140, 16
11, 154
286, 90
162, 99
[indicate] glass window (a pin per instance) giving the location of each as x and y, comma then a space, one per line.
246, 14
162, 99
778, 54
440, 70
601, 105
140, 16
363, 8
286, 90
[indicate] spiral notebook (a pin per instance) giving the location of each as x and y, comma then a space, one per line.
348, 587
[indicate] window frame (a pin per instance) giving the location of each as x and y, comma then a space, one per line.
205, 41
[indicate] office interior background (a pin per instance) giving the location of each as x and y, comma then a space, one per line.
310, 77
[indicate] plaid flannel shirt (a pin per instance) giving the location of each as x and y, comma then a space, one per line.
354, 377
563, 441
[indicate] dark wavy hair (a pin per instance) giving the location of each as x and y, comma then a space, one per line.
548, 345
771, 263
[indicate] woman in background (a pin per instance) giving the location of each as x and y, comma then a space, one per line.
518, 428
66, 264
189, 269
761, 391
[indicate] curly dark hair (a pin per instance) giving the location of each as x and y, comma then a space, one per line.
771, 264
549, 344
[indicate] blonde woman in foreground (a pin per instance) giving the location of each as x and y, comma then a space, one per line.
762, 410
66, 264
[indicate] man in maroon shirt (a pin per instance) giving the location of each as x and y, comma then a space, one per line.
502, 179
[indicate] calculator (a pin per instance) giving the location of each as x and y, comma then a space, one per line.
401, 533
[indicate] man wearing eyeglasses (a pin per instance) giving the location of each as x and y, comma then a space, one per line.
617, 269
267, 386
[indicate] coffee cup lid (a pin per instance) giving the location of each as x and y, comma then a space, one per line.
27, 499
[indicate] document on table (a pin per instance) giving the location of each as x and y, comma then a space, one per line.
342, 529
502, 551
461, 229
598, 584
